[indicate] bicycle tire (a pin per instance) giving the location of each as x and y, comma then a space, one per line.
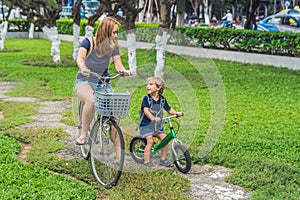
106, 167
136, 144
84, 149
182, 158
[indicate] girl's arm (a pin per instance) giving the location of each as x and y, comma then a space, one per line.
173, 112
150, 116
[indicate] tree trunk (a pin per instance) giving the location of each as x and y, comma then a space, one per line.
161, 46
52, 35
3, 32
31, 31
166, 25
89, 31
251, 14
131, 45
76, 41
206, 16
76, 28
128, 23
142, 13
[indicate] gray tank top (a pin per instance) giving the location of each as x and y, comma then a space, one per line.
97, 65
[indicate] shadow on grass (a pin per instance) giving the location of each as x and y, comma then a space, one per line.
48, 62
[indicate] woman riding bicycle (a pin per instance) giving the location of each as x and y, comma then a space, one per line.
104, 46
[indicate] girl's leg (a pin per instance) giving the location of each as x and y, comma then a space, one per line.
164, 150
147, 151
85, 93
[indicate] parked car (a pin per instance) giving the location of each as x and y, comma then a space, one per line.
66, 12
89, 7
280, 23
295, 10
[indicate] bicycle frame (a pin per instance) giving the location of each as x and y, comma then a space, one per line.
165, 141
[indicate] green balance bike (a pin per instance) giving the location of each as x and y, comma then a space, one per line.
181, 156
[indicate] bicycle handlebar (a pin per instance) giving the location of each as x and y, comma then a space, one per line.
104, 78
171, 116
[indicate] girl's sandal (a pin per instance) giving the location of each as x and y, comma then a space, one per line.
80, 141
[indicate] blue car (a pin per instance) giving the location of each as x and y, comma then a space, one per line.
280, 23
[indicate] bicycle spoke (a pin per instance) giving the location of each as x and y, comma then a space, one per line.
107, 158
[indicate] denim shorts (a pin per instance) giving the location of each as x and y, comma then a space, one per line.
94, 86
151, 129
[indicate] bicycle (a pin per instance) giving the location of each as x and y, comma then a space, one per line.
105, 147
181, 156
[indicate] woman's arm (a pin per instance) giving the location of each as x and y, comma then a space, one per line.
81, 58
118, 64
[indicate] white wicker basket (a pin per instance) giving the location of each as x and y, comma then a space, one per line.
112, 104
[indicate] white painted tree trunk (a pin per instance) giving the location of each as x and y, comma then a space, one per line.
142, 13
52, 35
89, 31
161, 47
76, 41
206, 16
3, 32
131, 45
31, 31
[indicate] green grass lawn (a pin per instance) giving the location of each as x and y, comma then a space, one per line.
245, 117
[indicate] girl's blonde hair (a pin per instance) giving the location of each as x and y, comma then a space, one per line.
105, 42
159, 82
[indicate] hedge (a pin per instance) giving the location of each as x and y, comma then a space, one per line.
274, 43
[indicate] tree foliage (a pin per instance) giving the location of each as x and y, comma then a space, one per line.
46, 12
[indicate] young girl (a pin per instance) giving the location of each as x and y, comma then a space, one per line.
152, 112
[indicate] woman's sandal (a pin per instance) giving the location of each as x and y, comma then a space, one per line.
80, 141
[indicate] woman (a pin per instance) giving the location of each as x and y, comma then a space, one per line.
105, 46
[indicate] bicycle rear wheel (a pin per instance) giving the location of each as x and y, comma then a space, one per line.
84, 149
137, 147
107, 159
182, 158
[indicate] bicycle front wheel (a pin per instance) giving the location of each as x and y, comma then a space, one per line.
107, 151
182, 158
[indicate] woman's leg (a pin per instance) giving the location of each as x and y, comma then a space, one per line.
85, 93
115, 139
